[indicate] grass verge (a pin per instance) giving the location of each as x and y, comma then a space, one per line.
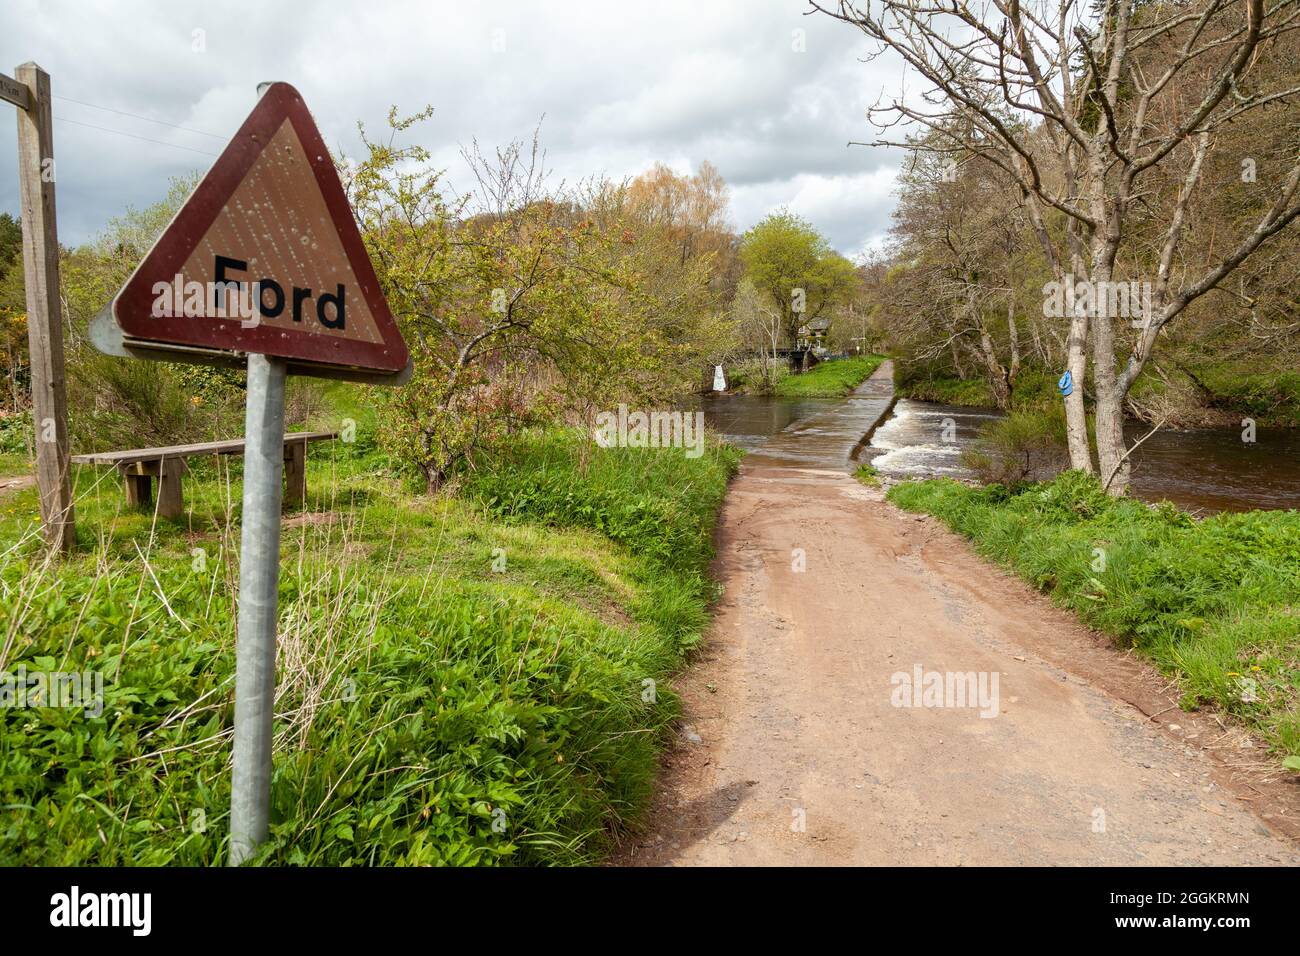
1212, 602
829, 379
476, 680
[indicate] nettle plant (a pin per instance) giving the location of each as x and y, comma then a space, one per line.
516, 303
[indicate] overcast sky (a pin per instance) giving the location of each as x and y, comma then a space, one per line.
620, 85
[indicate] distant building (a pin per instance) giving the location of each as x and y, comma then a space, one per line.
813, 333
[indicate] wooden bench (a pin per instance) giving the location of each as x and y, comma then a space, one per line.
140, 466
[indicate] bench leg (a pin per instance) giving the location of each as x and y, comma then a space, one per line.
139, 491
171, 503
139, 476
295, 473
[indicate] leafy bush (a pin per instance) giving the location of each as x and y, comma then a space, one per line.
758, 376
121, 403
655, 500
1023, 446
16, 433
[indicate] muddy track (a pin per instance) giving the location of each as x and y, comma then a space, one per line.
794, 752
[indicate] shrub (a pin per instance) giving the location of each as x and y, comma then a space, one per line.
16, 433
758, 376
123, 403
651, 499
1023, 446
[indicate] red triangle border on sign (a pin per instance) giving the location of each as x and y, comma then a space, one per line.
133, 306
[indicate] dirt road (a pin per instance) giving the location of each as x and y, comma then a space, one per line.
796, 749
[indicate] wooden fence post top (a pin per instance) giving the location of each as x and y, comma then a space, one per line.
36, 179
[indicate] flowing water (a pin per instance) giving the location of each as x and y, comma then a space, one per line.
808, 432
1202, 469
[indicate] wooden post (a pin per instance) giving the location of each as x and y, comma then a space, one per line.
295, 473
139, 485
139, 477
36, 174
171, 502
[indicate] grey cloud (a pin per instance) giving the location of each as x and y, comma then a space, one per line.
620, 87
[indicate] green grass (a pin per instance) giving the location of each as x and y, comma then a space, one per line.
829, 379
472, 680
13, 464
868, 475
1214, 603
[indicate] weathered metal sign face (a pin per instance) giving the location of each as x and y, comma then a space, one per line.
266, 257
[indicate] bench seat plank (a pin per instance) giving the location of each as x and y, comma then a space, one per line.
139, 467
234, 446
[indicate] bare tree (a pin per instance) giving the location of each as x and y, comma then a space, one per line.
1091, 111
959, 233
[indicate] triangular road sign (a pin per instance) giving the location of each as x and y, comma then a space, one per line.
265, 256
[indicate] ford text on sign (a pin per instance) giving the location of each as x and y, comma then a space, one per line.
266, 257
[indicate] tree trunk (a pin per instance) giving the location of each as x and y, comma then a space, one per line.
998, 379
1110, 440
1076, 419
1013, 337
955, 354
1113, 467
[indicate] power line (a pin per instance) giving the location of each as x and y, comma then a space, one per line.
156, 142
147, 119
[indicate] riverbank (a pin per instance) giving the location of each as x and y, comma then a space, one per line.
470, 680
830, 379
1212, 396
1210, 602
1202, 471
833, 378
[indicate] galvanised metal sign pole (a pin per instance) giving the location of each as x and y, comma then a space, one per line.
263, 268
259, 583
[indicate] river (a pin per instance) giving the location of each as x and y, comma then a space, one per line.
1204, 470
